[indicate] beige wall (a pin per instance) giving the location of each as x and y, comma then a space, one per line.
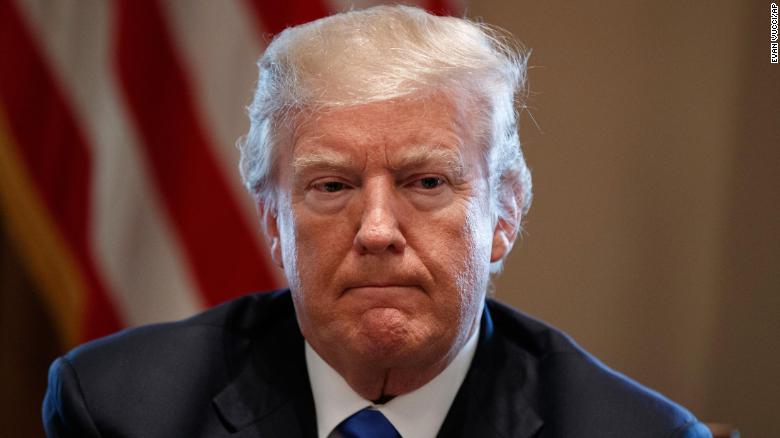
653, 238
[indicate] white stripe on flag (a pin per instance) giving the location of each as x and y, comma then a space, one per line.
133, 242
219, 45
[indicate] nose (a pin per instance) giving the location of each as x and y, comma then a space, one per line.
379, 229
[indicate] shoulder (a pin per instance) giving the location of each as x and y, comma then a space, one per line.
168, 370
198, 336
573, 391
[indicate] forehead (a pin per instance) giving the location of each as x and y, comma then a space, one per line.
396, 126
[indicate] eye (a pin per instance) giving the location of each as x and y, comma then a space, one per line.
328, 195
429, 192
429, 182
329, 186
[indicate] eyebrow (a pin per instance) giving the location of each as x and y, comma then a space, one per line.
321, 160
419, 156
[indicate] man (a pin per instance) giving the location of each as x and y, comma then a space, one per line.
384, 158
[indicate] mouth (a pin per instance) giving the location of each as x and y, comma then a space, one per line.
383, 295
380, 287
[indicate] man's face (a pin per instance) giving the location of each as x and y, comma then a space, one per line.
384, 231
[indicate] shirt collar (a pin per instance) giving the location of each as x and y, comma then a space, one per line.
335, 400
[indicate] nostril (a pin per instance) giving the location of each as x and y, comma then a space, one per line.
379, 237
373, 238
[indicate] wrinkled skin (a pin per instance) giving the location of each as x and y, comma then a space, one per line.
385, 235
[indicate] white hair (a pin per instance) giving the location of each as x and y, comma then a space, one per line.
383, 53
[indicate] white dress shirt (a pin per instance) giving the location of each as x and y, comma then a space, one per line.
418, 414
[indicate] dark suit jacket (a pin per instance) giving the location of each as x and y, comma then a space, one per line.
238, 370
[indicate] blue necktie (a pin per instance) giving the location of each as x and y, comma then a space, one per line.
367, 423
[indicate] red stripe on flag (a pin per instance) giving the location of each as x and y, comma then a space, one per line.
219, 245
55, 154
441, 7
274, 16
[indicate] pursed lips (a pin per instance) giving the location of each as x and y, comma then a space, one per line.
382, 293
382, 286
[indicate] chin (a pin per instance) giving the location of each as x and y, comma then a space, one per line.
389, 337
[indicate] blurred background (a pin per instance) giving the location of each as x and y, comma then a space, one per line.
652, 132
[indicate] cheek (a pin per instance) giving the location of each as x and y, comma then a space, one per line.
313, 246
469, 236
456, 247
289, 246
309, 255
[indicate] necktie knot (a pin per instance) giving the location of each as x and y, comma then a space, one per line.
367, 423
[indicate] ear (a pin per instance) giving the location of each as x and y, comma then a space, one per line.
269, 218
506, 229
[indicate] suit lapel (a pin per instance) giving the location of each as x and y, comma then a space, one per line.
271, 395
493, 400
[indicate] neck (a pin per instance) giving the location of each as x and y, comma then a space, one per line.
382, 385
380, 380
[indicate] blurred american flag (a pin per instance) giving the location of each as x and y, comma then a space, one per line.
118, 170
